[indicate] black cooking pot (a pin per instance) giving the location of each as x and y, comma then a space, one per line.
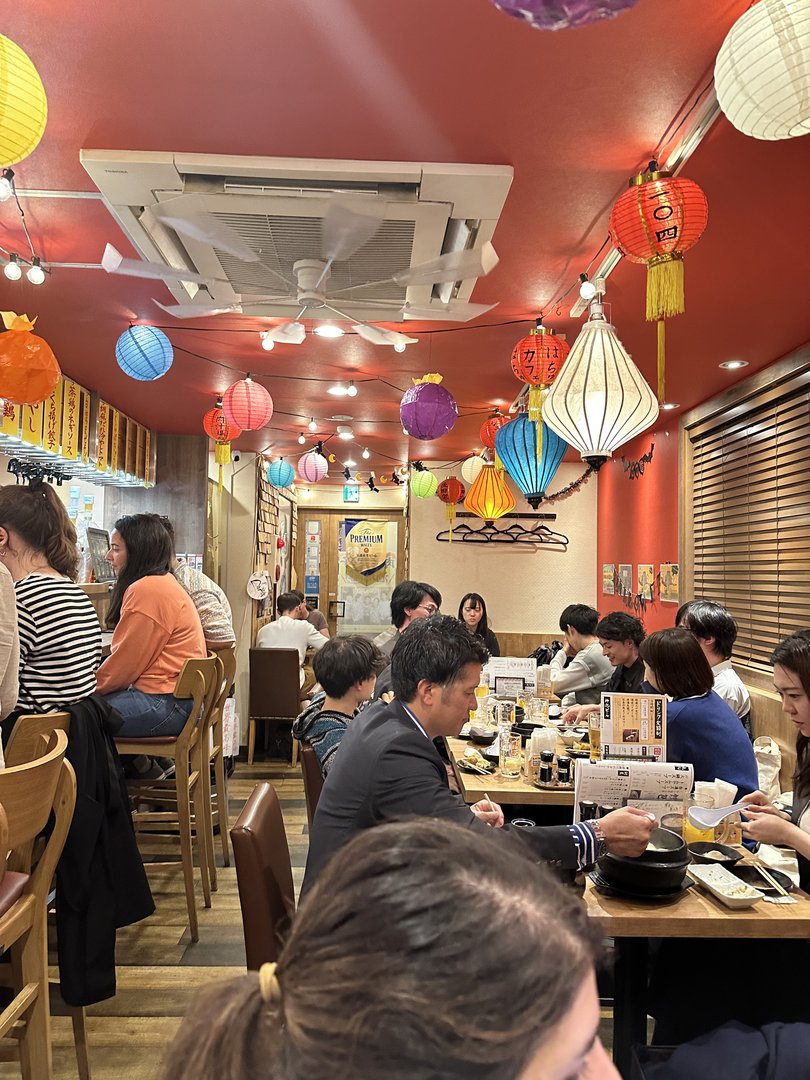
660, 868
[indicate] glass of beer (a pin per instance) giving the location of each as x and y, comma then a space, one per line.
511, 756
595, 734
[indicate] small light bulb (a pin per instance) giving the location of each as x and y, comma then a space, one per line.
366, 454
400, 347
12, 269
351, 389
312, 425
6, 189
35, 273
587, 290
301, 439
267, 342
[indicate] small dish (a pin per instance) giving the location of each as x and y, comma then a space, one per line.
702, 853
572, 736
728, 888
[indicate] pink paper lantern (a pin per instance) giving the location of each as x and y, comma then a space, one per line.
247, 404
312, 467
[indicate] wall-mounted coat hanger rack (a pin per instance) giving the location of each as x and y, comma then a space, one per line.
539, 535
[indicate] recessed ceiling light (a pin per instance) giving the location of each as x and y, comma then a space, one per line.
345, 433
341, 418
338, 390
732, 365
328, 330
349, 463
668, 406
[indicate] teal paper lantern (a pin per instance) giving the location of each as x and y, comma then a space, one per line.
144, 353
280, 473
516, 446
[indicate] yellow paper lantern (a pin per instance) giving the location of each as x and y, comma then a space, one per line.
23, 105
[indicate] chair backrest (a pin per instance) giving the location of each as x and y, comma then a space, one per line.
264, 876
31, 736
313, 778
275, 684
197, 680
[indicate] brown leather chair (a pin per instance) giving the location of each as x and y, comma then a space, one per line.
313, 778
274, 691
264, 876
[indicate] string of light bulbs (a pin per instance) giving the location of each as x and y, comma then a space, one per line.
13, 270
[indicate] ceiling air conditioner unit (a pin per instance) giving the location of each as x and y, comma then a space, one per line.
277, 206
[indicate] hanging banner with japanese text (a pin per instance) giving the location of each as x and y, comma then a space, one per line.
52, 430
71, 406
32, 417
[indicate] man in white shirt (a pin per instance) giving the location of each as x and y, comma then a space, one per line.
292, 631
580, 670
716, 632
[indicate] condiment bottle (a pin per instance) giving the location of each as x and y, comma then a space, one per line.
605, 809
587, 810
564, 769
546, 767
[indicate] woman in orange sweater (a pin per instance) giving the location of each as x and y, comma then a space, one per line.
157, 629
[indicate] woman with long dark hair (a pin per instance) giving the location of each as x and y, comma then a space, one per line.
701, 728
472, 611
59, 632
791, 678
157, 629
398, 965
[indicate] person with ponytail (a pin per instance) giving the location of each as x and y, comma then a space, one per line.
59, 633
425, 951
156, 629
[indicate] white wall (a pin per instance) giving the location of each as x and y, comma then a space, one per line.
329, 497
525, 588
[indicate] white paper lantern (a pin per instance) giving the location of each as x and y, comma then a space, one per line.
600, 400
762, 72
471, 468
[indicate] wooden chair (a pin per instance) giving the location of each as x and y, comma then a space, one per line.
313, 778
30, 739
29, 794
264, 876
274, 691
219, 811
198, 681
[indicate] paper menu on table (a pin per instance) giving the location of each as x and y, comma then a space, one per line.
634, 726
511, 676
657, 787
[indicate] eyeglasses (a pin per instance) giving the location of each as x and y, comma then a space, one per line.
431, 609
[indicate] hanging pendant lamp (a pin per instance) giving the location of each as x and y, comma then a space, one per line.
489, 497
600, 399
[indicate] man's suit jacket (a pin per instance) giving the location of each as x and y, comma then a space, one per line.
386, 770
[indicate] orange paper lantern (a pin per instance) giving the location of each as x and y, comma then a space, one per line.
28, 369
489, 497
218, 427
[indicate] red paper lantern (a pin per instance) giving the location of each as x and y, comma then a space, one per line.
491, 427
28, 368
218, 427
247, 405
451, 491
537, 358
656, 220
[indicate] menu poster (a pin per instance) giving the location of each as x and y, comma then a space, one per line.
634, 726
511, 676
656, 787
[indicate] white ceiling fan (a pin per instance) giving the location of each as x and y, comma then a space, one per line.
346, 227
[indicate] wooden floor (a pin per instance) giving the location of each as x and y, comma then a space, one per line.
159, 969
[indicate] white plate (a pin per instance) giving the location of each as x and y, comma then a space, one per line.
725, 886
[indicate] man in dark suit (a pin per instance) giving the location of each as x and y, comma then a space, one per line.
388, 768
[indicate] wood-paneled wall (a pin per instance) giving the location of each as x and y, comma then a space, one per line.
525, 644
180, 491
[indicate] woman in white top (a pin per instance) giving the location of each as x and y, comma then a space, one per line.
59, 633
791, 678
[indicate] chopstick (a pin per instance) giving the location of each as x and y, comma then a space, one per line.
489, 800
771, 880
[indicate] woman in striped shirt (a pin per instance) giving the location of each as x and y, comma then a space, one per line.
60, 636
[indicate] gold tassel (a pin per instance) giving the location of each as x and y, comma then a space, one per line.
497, 461
535, 402
222, 455
451, 517
664, 286
661, 359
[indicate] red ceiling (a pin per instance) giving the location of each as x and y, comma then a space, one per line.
573, 112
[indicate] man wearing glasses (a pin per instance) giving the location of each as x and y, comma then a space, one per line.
410, 600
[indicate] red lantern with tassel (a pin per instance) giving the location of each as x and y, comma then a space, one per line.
491, 426
223, 431
536, 360
451, 491
655, 222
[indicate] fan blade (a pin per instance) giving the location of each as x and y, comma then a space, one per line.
206, 228
291, 333
378, 335
345, 229
457, 311
114, 263
454, 266
196, 311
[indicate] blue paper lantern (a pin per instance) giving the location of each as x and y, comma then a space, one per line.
280, 473
144, 353
516, 446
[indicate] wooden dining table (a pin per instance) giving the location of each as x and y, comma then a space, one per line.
695, 914
473, 787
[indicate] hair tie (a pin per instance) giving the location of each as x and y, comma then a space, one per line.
269, 986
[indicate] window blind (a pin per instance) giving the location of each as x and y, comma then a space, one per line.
751, 509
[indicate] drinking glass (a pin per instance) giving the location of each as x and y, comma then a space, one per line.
691, 833
595, 734
673, 822
511, 756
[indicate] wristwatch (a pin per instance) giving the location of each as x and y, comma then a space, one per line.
601, 842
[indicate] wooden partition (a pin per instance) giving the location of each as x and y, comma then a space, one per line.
767, 718
525, 644
99, 593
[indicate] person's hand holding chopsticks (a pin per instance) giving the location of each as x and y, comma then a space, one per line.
489, 812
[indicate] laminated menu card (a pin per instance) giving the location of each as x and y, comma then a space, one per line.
657, 787
511, 676
634, 726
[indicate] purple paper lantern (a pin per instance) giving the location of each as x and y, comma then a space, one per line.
562, 14
428, 411
312, 467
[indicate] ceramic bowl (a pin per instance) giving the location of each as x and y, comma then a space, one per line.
660, 868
